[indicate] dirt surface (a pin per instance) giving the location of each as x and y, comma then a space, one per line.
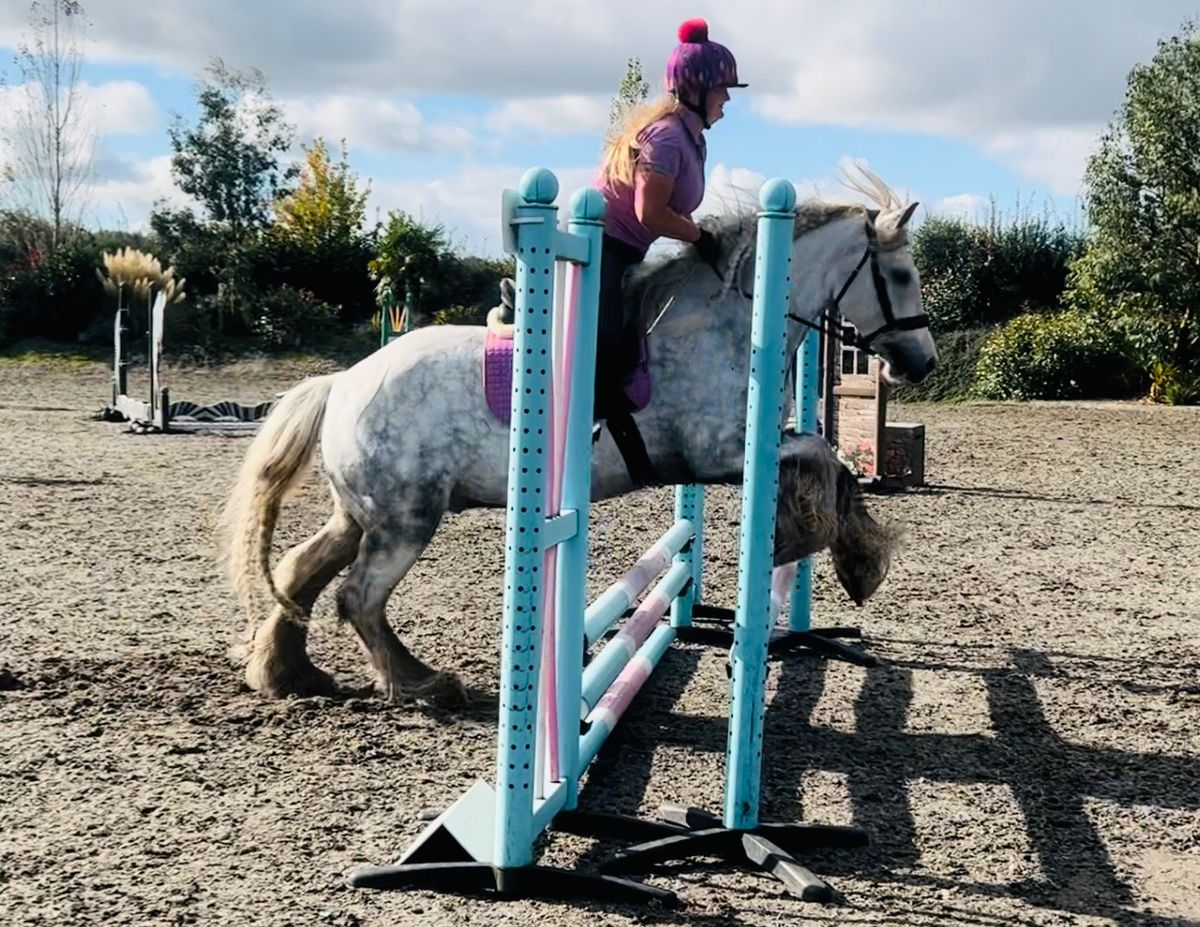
1027, 751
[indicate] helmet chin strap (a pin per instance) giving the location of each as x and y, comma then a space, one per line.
700, 109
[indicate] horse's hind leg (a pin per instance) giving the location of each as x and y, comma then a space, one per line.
278, 663
386, 554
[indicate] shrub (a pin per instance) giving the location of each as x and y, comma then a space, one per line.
56, 297
1062, 356
460, 315
958, 353
978, 275
335, 271
290, 318
1174, 386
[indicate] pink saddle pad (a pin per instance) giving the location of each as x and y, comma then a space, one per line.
497, 377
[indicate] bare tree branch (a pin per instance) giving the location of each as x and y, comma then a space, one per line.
54, 143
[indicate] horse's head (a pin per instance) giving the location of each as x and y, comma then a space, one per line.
881, 297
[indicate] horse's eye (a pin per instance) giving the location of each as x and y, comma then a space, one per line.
901, 277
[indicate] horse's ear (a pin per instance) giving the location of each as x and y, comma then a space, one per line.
873, 215
908, 214
508, 292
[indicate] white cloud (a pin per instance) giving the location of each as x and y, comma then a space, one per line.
502, 49
112, 108
1026, 83
922, 64
562, 115
375, 125
121, 107
115, 107
931, 65
1055, 157
960, 69
123, 197
970, 206
10, 99
730, 190
467, 204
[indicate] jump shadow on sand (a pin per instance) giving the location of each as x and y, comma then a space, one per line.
943, 489
1051, 779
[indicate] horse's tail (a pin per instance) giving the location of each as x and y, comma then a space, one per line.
272, 467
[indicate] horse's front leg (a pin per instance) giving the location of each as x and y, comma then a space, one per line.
806, 513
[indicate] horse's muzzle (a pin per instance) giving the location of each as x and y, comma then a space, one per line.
907, 368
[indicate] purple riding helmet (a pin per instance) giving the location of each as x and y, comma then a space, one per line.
697, 66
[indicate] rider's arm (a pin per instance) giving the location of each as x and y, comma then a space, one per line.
651, 193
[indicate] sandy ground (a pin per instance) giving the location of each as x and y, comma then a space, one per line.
1027, 751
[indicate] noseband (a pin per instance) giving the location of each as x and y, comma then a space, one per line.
826, 319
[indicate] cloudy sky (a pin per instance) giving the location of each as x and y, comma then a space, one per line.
442, 103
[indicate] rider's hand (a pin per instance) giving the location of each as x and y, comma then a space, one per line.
706, 247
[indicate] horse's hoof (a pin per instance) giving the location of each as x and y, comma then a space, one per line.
293, 682
447, 691
443, 690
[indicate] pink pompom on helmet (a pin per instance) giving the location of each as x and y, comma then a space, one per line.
698, 65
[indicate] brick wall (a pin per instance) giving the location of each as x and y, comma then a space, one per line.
857, 418
860, 411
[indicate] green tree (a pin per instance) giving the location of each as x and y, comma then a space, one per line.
632, 90
326, 206
409, 259
229, 161
1141, 269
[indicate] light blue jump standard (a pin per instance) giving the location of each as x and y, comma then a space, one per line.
801, 633
740, 837
760, 494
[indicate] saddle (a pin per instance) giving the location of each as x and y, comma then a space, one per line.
497, 361
635, 387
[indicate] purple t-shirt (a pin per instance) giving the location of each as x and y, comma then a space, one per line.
673, 146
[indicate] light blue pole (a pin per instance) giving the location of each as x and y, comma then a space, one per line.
608, 607
800, 615
527, 462
587, 220
760, 491
385, 318
689, 504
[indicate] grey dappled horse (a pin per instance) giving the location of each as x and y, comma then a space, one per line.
406, 436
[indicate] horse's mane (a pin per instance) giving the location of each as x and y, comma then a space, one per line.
655, 281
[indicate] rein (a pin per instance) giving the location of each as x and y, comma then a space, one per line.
825, 321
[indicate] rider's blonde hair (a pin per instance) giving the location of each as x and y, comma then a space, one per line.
621, 146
